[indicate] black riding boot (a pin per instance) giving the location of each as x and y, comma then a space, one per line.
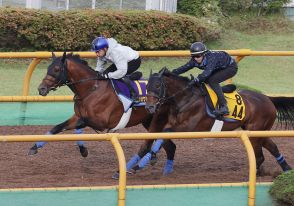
133, 93
222, 103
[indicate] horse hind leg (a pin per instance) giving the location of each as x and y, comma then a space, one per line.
273, 149
258, 156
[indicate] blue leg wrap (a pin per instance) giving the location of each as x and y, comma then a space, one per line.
145, 160
79, 131
280, 159
41, 144
132, 162
156, 146
169, 167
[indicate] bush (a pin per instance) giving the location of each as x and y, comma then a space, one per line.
24, 29
283, 188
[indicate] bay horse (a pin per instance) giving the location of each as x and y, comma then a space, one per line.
96, 104
187, 113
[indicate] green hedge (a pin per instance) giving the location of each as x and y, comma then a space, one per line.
26, 29
283, 188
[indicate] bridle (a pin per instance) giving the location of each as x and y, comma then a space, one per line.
161, 95
61, 79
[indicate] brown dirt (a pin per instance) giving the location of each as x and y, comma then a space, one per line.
59, 164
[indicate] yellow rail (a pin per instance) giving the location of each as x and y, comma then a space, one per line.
115, 137
69, 98
38, 56
36, 99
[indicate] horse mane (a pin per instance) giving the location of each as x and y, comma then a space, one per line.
168, 73
77, 58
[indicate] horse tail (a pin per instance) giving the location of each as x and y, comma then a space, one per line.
285, 109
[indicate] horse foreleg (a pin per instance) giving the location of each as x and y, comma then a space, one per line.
273, 149
132, 166
170, 149
138, 158
72, 123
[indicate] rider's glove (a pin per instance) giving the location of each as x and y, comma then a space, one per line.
194, 82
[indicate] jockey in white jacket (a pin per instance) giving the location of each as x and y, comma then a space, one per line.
125, 60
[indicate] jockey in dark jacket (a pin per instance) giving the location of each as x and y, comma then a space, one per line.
218, 66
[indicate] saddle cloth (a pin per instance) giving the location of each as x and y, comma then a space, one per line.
235, 104
139, 87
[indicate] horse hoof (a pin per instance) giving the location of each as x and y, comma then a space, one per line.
169, 167
84, 151
115, 176
167, 172
261, 172
33, 150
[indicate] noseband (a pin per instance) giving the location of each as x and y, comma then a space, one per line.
61, 77
162, 98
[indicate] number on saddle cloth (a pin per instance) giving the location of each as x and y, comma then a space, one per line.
234, 100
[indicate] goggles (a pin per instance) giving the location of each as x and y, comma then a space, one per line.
196, 55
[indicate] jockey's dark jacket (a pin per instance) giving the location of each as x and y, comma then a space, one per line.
212, 61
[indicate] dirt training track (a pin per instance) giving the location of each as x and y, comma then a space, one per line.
59, 164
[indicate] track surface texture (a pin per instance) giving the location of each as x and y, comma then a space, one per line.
59, 164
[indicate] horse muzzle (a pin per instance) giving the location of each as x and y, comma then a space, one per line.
151, 108
43, 90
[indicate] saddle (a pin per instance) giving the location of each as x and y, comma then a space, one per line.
234, 100
123, 90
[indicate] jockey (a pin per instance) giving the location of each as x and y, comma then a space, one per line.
218, 66
124, 59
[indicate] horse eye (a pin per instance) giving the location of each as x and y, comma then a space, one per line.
56, 69
157, 85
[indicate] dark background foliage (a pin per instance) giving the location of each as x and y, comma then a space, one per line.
23, 29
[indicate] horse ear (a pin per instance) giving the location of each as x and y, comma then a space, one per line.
53, 56
63, 57
150, 73
161, 71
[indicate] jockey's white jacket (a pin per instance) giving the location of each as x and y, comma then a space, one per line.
119, 55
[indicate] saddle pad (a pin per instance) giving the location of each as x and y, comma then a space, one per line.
235, 103
139, 87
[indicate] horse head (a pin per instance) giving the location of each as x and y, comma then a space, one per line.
156, 91
162, 87
56, 75
68, 70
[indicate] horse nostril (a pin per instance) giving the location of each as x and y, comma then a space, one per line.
42, 90
150, 108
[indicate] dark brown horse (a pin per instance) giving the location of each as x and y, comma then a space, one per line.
96, 104
187, 112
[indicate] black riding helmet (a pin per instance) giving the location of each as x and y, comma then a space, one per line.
197, 48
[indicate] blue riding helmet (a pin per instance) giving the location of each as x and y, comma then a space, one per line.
99, 43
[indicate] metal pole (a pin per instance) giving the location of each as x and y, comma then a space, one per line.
160, 5
120, 4
67, 5
93, 4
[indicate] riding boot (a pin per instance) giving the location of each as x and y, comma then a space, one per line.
223, 108
133, 93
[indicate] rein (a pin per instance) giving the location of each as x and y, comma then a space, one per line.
162, 96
